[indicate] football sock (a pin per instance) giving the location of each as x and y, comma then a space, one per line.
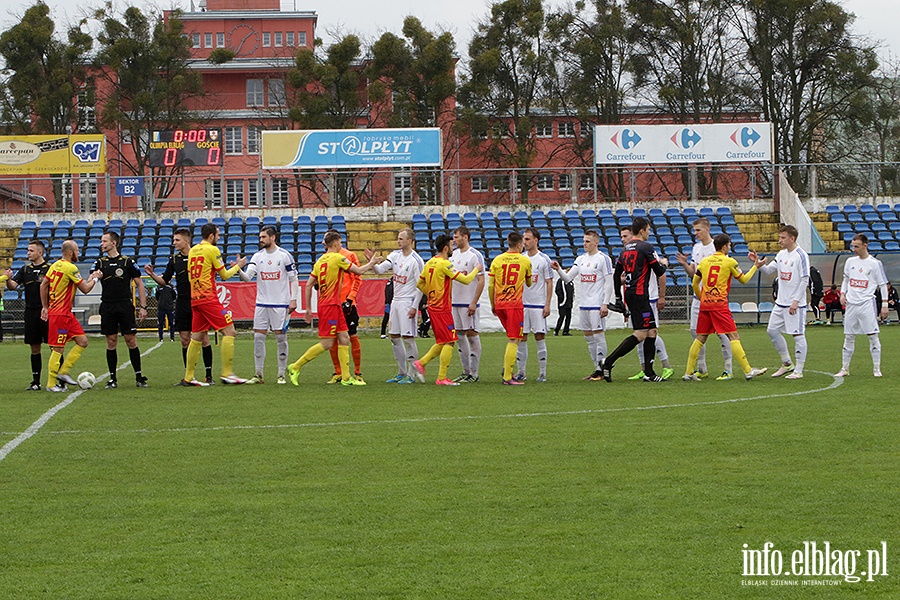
71, 358
509, 360
592, 348
600, 341
193, 353
464, 352
446, 357
227, 355
184, 355
701, 358
412, 352
432, 353
112, 360
282, 341
312, 352
344, 357
522, 357
356, 352
36, 364
542, 355
474, 354
693, 355
135, 355
399, 355
207, 360
875, 349
661, 351
800, 350
53, 365
780, 345
335, 360
649, 356
847, 350
624, 348
737, 351
259, 352
727, 352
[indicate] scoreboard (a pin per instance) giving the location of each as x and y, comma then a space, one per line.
186, 148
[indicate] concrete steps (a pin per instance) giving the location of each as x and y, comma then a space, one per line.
760, 231
8, 240
829, 234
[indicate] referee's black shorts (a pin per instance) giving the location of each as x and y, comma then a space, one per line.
641, 312
351, 315
183, 315
117, 317
35, 327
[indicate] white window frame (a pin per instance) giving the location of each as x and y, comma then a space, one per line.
545, 182
480, 184
207, 40
254, 198
195, 40
543, 130
257, 95
279, 39
234, 140
289, 39
267, 39
564, 128
280, 192
301, 38
565, 182
254, 139
234, 193
213, 190
403, 187
587, 182
275, 97
87, 192
220, 39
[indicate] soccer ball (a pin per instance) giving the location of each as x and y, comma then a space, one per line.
86, 380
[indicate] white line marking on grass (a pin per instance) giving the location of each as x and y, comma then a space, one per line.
36, 426
838, 381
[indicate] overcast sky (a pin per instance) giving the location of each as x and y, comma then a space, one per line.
369, 18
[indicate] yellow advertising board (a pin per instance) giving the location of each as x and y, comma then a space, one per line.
52, 154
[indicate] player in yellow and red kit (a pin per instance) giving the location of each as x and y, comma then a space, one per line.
510, 273
349, 289
711, 283
329, 272
435, 282
57, 294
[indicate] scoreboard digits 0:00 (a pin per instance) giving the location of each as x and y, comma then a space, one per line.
186, 148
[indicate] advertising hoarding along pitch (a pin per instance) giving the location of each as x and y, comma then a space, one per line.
52, 154
351, 148
683, 143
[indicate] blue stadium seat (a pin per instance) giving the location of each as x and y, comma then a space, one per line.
844, 227
591, 223
741, 249
875, 247
888, 216
885, 236
270, 220
892, 246
64, 225
248, 230
879, 226
608, 222
871, 217
832, 209
707, 212
838, 218
151, 223
79, 233
715, 230
20, 255
26, 234
17, 264
667, 240
56, 254
147, 242
605, 213
867, 208
29, 225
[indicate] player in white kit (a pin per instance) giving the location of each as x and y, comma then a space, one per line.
276, 298
465, 299
862, 274
406, 265
536, 299
789, 315
594, 272
703, 248
653, 290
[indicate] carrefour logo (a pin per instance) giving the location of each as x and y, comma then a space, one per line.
626, 139
686, 138
88, 152
745, 137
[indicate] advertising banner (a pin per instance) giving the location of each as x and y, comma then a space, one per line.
683, 144
52, 154
240, 299
351, 148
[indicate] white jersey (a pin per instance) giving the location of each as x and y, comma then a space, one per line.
792, 267
462, 294
595, 280
699, 252
535, 295
276, 277
861, 277
406, 272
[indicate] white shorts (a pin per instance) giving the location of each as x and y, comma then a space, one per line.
400, 323
270, 318
695, 314
861, 319
591, 320
534, 321
462, 321
656, 310
782, 320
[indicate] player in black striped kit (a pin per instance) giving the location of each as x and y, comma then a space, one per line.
30, 276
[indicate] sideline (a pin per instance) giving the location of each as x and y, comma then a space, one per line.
36, 426
837, 382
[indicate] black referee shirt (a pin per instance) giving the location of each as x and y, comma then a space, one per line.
117, 275
30, 276
178, 267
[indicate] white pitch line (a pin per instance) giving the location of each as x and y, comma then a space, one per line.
838, 381
36, 426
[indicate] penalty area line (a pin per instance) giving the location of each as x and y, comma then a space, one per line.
44, 418
837, 382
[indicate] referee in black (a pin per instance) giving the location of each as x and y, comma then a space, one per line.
30, 276
177, 267
116, 274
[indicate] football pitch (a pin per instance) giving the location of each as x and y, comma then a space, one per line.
567, 489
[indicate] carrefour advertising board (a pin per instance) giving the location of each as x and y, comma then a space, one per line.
680, 143
351, 148
35, 154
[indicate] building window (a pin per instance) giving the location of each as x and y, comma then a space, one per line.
402, 187
195, 40
267, 39
88, 192
234, 193
566, 129
279, 192
301, 38
501, 184
214, 193
276, 92
587, 182
234, 140
278, 39
87, 120
479, 184
565, 182
587, 129
255, 93
290, 39
256, 197
253, 140
545, 183
207, 40
220, 40
543, 130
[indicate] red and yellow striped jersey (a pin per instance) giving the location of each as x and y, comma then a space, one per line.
712, 280
435, 282
510, 273
64, 278
204, 261
329, 272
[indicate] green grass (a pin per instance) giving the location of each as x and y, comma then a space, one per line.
562, 490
